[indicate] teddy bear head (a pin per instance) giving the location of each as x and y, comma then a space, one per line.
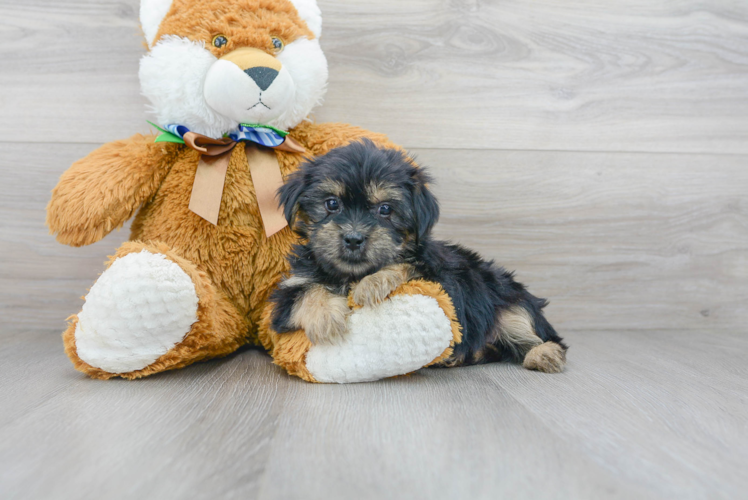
215, 64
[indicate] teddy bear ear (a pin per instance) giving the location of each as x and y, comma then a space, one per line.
152, 12
310, 13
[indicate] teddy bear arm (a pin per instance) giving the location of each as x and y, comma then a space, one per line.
415, 326
104, 189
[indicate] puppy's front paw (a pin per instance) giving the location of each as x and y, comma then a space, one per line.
323, 316
328, 326
373, 289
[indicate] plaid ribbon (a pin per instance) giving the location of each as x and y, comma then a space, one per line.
264, 136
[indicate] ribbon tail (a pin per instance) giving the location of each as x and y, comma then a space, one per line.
267, 179
291, 145
207, 190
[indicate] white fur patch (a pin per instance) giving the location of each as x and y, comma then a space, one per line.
152, 12
177, 73
396, 337
139, 309
307, 65
310, 13
230, 92
172, 77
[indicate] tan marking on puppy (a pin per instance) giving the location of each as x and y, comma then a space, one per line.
322, 315
326, 241
327, 237
516, 330
548, 357
381, 248
294, 281
373, 289
377, 192
332, 187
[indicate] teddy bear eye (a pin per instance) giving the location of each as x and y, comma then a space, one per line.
220, 41
278, 45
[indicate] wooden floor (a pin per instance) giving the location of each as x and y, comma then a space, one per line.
598, 148
636, 415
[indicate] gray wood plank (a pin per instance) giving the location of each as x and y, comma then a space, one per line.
437, 434
574, 75
41, 281
650, 407
629, 76
614, 240
198, 433
635, 415
668, 423
36, 354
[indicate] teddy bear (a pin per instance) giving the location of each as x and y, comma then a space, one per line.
232, 84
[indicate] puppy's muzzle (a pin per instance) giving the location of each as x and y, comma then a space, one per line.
354, 240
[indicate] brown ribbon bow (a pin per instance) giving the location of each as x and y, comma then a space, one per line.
210, 177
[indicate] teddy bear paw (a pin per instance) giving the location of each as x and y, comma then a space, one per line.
396, 337
138, 310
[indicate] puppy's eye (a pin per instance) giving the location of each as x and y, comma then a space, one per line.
220, 41
385, 210
278, 45
332, 205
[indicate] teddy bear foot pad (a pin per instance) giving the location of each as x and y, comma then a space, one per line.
139, 309
399, 336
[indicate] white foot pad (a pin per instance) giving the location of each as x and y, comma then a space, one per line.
139, 309
399, 336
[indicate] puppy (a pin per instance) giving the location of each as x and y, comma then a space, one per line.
364, 216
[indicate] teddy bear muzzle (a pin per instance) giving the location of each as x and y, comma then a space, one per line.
248, 85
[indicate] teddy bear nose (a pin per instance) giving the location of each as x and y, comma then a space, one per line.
262, 75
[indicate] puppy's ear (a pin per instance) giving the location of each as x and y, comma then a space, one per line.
289, 194
425, 205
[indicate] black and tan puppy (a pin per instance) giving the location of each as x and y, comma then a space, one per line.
364, 216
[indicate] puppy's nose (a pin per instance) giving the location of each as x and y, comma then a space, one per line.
262, 75
353, 241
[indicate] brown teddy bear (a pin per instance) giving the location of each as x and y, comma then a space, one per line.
231, 84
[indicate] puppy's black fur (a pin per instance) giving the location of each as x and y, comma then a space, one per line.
362, 212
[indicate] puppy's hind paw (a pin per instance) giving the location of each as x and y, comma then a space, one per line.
375, 288
548, 357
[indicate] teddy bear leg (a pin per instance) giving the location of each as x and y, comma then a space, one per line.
149, 312
415, 326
